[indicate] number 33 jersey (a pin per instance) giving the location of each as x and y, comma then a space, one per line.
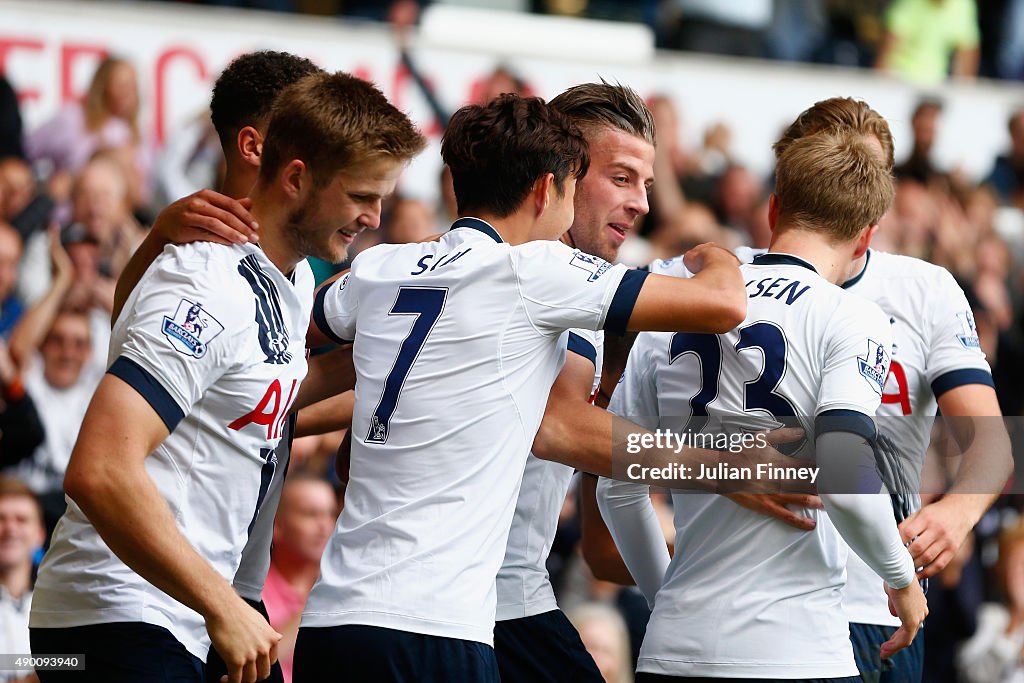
214, 339
745, 595
456, 345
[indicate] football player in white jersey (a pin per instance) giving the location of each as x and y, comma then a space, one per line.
457, 344
533, 640
175, 455
240, 111
806, 349
937, 363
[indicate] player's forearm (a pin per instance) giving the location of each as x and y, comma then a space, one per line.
627, 510
326, 416
328, 375
596, 542
130, 514
713, 302
148, 250
864, 520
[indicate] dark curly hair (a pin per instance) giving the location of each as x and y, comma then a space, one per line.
496, 152
248, 86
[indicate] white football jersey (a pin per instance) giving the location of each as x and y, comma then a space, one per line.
255, 561
745, 595
213, 337
935, 349
457, 344
524, 587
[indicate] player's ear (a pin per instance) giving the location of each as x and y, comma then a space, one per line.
864, 241
773, 211
250, 145
544, 192
294, 178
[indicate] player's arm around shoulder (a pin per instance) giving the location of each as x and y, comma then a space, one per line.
713, 300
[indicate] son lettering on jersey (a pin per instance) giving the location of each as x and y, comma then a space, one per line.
774, 288
272, 419
440, 262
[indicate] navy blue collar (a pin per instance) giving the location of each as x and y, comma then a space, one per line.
477, 224
772, 259
856, 278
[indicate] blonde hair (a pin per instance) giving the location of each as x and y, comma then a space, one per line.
835, 114
834, 183
95, 105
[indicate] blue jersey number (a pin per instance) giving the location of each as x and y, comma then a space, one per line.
758, 394
426, 303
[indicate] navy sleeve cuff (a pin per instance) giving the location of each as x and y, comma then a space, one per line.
842, 420
622, 304
151, 390
959, 378
582, 347
320, 318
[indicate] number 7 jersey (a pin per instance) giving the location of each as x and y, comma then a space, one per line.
456, 345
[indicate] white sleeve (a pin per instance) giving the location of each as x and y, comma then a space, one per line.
563, 288
336, 308
857, 356
630, 516
626, 506
183, 332
955, 357
864, 520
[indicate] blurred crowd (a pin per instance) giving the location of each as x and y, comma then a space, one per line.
920, 40
78, 193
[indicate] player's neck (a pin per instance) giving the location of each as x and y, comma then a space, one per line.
239, 179
515, 228
830, 260
273, 219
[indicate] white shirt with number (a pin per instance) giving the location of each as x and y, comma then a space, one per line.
524, 587
935, 349
745, 595
213, 337
457, 344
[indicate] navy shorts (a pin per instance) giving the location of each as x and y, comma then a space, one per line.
215, 666
544, 648
906, 666
371, 654
658, 678
124, 652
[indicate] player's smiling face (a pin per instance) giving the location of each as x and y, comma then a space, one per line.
328, 222
613, 194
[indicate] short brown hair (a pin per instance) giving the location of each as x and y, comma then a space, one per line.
834, 183
496, 152
15, 488
331, 122
838, 113
591, 105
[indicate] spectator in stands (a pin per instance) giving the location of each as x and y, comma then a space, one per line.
924, 124
305, 520
21, 536
21, 430
604, 634
20, 203
922, 37
52, 347
410, 220
11, 306
1007, 175
10, 121
106, 118
101, 204
994, 653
